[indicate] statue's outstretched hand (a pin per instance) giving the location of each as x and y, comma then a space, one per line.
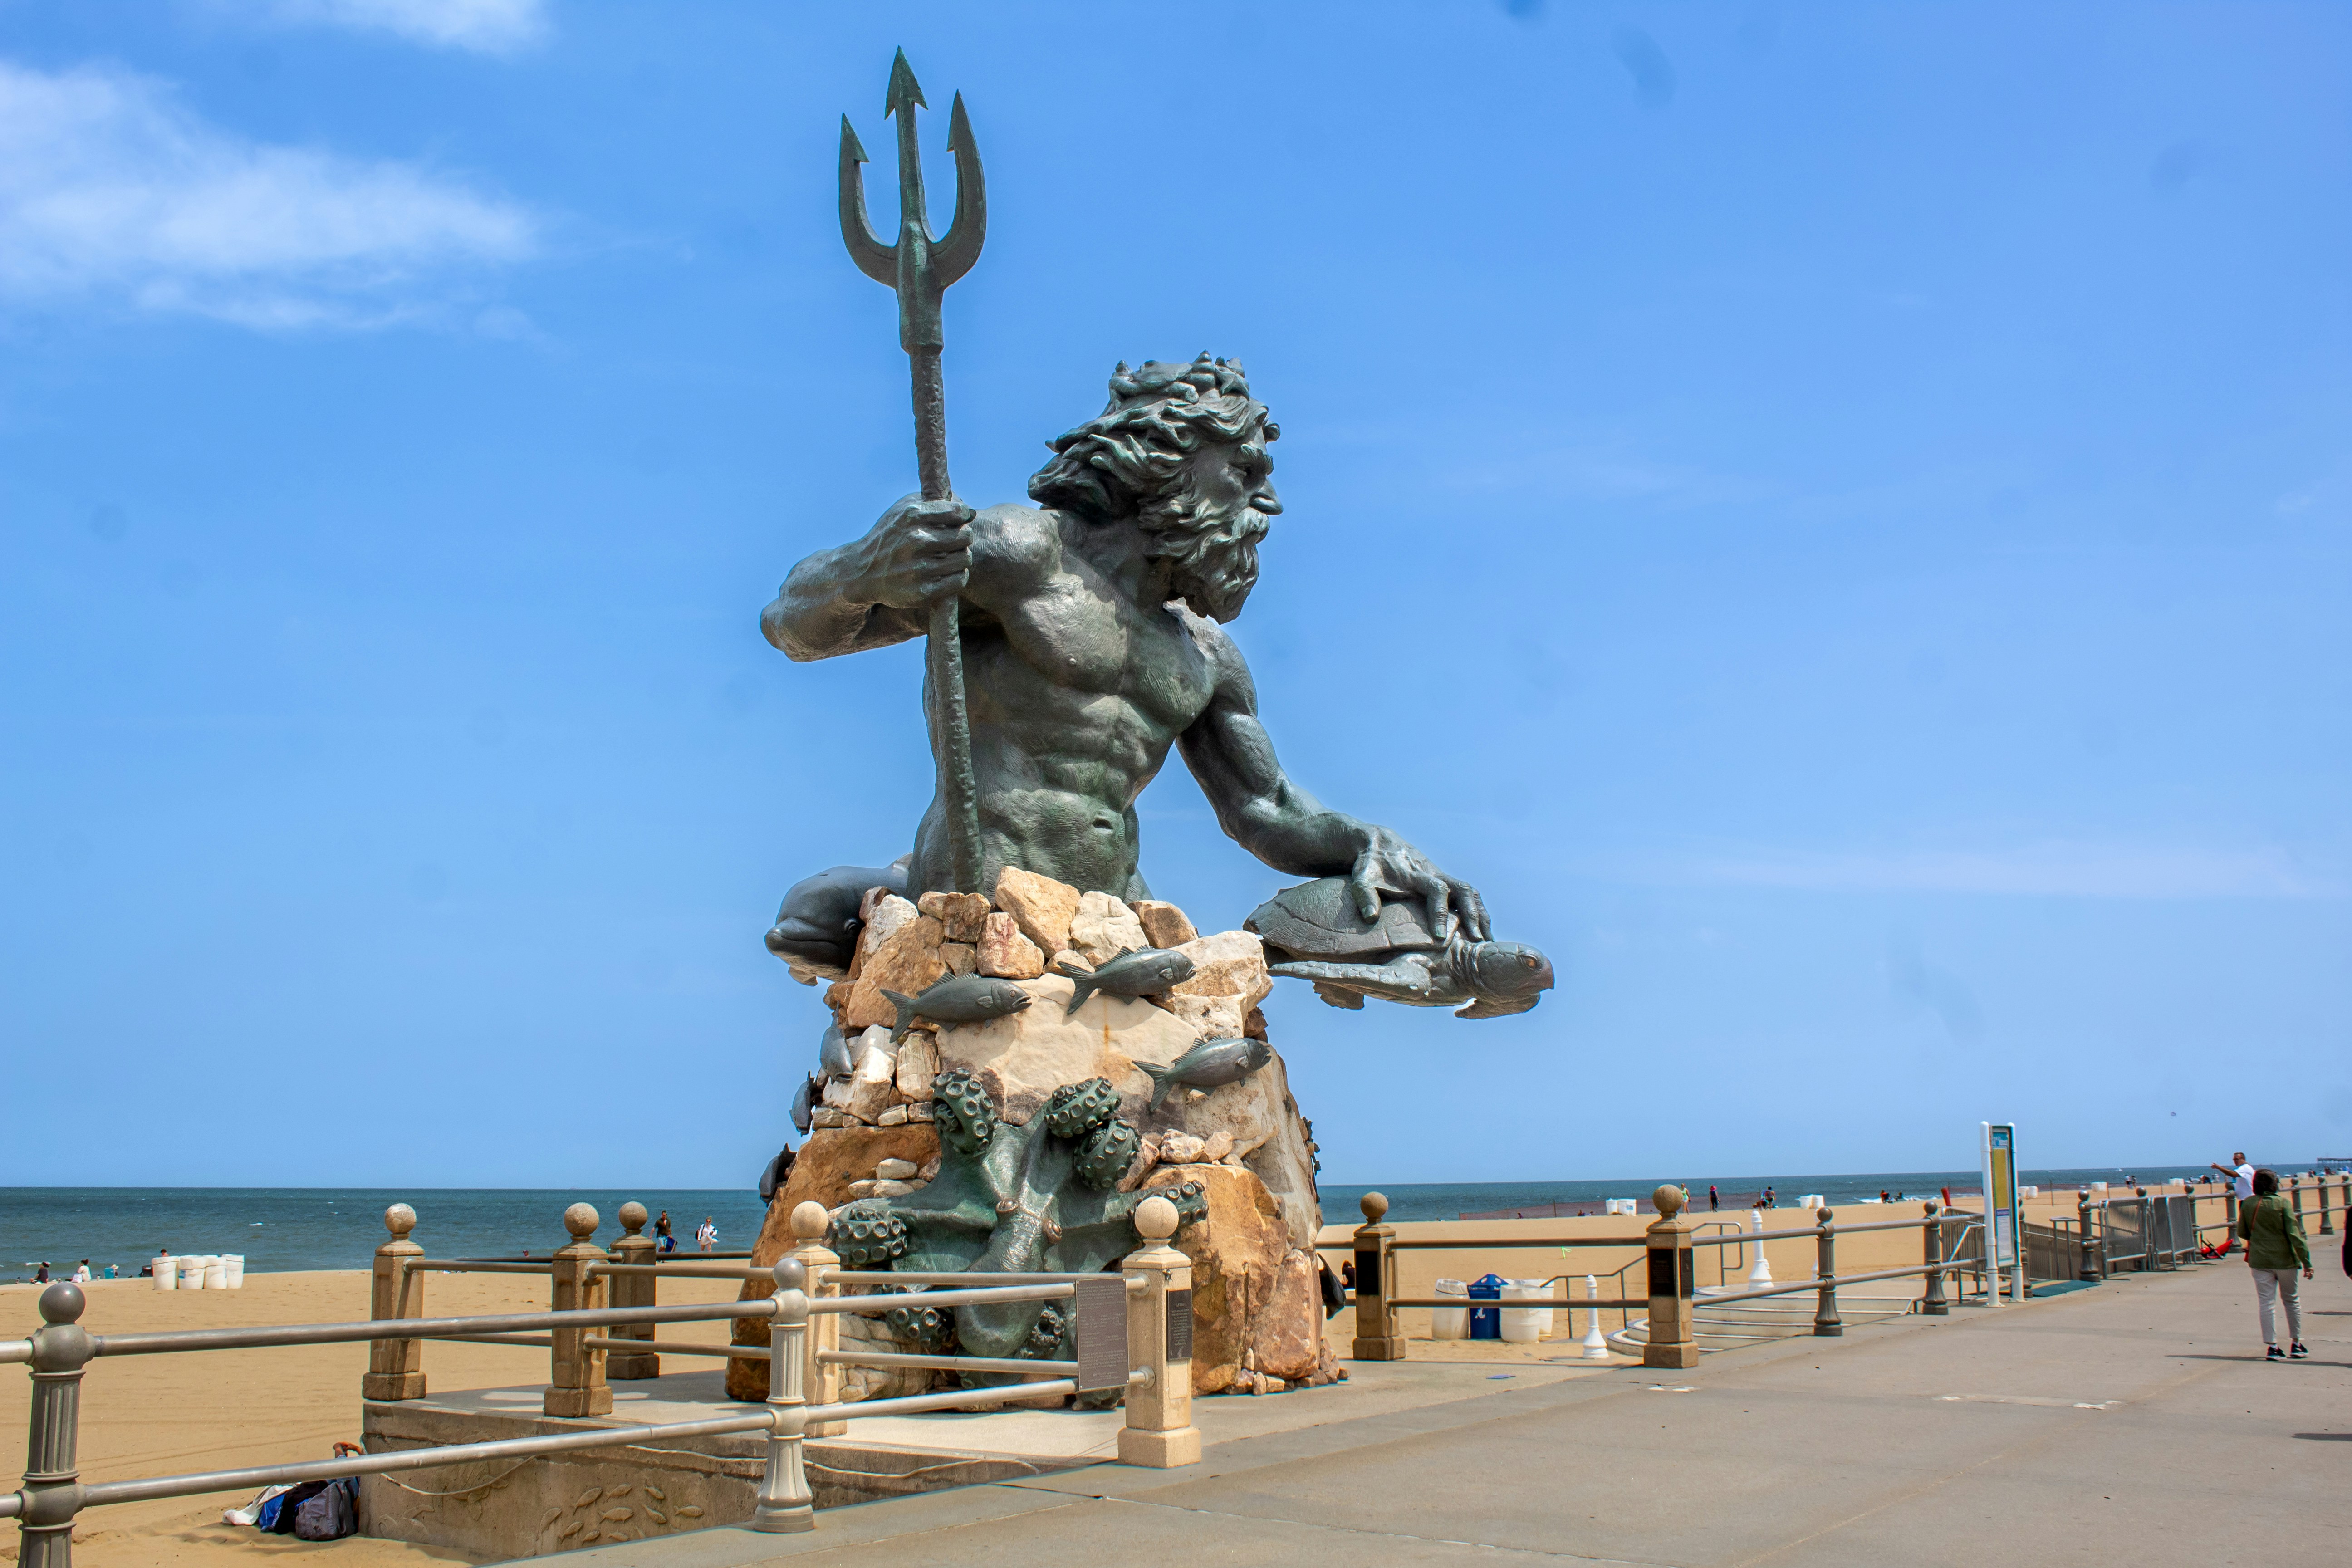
1387, 861
920, 551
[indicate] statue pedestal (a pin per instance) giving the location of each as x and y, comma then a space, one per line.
1257, 1288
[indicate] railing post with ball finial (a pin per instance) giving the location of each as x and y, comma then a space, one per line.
1674, 1281
576, 1385
1158, 1434
633, 1290
1377, 1338
52, 1491
822, 1380
785, 1504
396, 1367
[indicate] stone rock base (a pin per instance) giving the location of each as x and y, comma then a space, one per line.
1257, 1301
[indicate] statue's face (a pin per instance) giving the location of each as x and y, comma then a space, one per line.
1229, 477
1207, 522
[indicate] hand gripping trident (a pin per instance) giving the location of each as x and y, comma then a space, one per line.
918, 269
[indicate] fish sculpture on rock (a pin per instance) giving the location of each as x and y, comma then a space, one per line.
957, 999
833, 1053
1208, 1065
1137, 972
1314, 933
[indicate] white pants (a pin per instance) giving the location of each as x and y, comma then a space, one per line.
2271, 1284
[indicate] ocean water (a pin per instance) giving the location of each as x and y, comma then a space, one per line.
1425, 1201
281, 1229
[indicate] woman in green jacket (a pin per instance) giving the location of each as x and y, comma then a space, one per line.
2275, 1250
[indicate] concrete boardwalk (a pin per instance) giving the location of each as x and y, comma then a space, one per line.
2126, 1422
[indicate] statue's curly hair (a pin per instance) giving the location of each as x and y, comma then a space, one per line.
1158, 416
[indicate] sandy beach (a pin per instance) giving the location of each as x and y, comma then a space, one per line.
164, 1415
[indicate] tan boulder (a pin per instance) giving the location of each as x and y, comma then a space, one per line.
1248, 1323
1028, 1055
1041, 905
1286, 1334
1212, 1017
1183, 1149
1164, 924
881, 914
919, 1063
1230, 963
1007, 954
960, 957
907, 961
959, 913
1104, 927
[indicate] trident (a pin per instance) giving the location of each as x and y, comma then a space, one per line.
918, 269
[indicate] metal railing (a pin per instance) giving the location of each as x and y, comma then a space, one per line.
1132, 1332
1671, 1245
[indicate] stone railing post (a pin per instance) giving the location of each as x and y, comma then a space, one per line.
575, 1385
1376, 1328
396, 1367
1826, 1322
785, 1504
2086, 1265
2327, 1226
1159, 1434
633, 1290
1673, 1280
52, 1491
819, 1262
1932, 1302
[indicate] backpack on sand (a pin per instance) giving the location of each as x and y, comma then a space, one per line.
331, 1513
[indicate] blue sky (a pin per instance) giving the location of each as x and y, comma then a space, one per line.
1838, 519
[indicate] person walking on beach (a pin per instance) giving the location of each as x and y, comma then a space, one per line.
2275, 1250
705, 1234
663, 1241
1713, 1203
2239, 1172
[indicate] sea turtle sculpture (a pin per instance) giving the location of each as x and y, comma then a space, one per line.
1315, 932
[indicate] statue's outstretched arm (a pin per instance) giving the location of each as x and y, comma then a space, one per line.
1262, 810
874, 591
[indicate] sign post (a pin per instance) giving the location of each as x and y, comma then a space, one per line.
2004, 1240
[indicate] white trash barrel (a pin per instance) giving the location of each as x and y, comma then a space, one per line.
1451, 1323
1525, 1325
192, 1271
236, 1261
167, 1273
215, 1272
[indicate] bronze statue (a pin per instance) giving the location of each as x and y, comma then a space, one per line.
1092, 639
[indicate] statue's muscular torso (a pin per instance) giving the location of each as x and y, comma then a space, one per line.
1079, 673
1076, 686
1077, 676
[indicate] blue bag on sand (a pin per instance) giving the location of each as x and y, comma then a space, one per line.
1487, 1323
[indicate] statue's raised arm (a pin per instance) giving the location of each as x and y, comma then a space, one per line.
873, 592
1267, 813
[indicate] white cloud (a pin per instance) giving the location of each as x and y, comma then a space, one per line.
2051, 869
111, 189
491, 26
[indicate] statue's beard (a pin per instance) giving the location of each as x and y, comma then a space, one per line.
1211, 554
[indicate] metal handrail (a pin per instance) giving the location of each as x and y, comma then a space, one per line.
180, 1339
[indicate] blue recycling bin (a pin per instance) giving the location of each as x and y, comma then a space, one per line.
1487, 1323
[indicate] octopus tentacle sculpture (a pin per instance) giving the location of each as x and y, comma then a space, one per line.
1008, 1199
